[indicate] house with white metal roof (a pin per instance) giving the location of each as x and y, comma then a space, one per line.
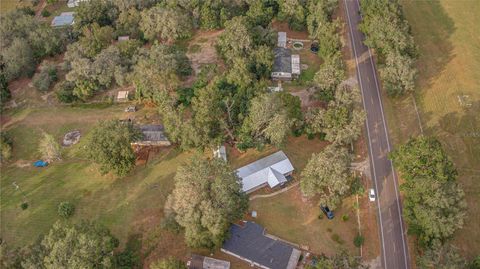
75, 3
273, 170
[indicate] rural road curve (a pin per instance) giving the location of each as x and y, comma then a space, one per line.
392, 233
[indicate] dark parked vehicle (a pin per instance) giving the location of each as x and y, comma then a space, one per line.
327, 212
314, 47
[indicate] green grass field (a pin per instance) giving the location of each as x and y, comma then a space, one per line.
448, 95
7, 5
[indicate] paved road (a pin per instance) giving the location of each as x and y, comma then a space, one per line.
392, 233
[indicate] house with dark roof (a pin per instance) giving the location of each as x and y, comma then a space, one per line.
201, 262
250, 243
273, 170
153, 135
286, 66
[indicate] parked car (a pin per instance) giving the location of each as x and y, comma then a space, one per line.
131, 109
314, 47
371, 195
327, 212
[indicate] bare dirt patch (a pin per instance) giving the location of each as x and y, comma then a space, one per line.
201, 49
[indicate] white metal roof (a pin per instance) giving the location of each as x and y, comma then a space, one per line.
282, 39
296, 64
270, 169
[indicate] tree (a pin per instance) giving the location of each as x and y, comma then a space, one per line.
66, 209
44, 79
128, 23
168, 263
95, 39
441, 257
388, 32
206, 199
343, 120
103, 13
424, 157
5, 94
109, 146
49, 148
235, 41
10, 257
5, 146
159, 69
342, 260
86, 245
292, 11
267, 120
261, 62
327, 175
18, 59
261, 12
321, 27
328, 77
434, 204
165, 23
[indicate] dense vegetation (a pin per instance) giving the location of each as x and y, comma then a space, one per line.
206, 199
434, 206
388, 32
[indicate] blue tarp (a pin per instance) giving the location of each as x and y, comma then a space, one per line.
40, 163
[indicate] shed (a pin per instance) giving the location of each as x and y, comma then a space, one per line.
282, 40
75, 3
272, 170
123, 38
201, 262
122, 96
220, 153
153, 135
65, 19
250, 243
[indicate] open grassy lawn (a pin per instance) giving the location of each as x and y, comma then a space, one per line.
7, 5
448, 95
294, 219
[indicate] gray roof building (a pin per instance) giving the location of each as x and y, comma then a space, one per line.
251, 244
201, 262
65, 19
282, 39
285, 65
153, 135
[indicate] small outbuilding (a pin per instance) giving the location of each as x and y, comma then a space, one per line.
65, 19
75, 3
221, 153
202, 262
273, 170
122, 96
153, 135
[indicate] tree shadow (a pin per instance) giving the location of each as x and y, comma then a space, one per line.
431, 27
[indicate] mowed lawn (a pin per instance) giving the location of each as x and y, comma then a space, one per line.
448, 95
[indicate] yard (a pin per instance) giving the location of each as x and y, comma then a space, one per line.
448, 96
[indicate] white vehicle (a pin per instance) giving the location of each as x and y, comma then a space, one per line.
371, 195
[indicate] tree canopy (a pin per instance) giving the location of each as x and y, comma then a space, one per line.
327, 176
109, 146
85, 245
434, 205
206, 199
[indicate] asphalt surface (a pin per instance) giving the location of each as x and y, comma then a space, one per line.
394, 250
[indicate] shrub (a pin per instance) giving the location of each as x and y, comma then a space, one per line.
320, 216
64, 92
46, 13
5, 146
24, 205
336, 238
345, 217
66, 209
358, 240
44, 79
